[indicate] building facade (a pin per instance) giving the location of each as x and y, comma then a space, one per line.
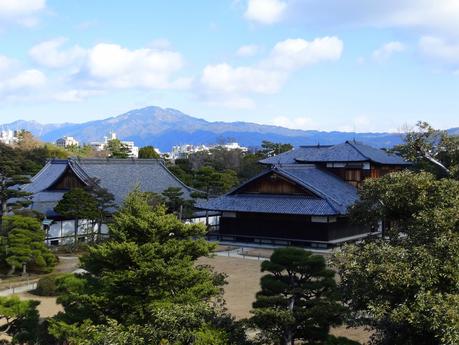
67, 142
117, 176
303, 197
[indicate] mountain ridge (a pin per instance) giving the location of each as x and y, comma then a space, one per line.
165, 127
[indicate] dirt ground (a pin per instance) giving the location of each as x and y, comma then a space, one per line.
244, 282
47, 307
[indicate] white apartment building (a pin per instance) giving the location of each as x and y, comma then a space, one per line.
100, 146
9, 137
67, 142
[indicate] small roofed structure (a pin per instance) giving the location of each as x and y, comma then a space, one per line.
117, 176
303, 197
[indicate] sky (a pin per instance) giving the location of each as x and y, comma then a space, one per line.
349, 65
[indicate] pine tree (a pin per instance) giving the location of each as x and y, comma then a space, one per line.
77, 204
297, 300
24, 243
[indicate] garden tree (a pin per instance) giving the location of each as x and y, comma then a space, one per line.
298, 299
19, 320
27, 141
10, 176
431, 149
214, 183
78, 204
148, 152
145, 276
415, 207
405, 286
117, 149
269, 149
175, 202
104, 204
24, 245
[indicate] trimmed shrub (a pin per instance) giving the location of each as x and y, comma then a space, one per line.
46, 286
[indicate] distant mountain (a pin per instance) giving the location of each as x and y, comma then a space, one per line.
164, 128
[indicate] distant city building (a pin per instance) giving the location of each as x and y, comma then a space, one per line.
101, 146
67, 142
183, 151
9, 137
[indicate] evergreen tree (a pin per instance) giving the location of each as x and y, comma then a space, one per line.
175, 202
117, 149
148, 152
10, 177
405, 286
145, 277
24, 245
19, 320
298, 299
78, 204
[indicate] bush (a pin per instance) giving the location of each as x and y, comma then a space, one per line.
332, 340
46, 286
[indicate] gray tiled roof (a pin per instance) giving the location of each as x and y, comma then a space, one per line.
333, 195
118, 176
346, 152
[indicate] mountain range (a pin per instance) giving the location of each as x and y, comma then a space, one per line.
165, 127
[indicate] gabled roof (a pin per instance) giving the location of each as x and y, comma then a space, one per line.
348, 151
118, 176
333, 195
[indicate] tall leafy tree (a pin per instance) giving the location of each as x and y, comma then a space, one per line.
298, 299
78, 204
148, 152
145, 276
10, 178
117, 149
269, 149
105, 204
431, 149
405, 286
213, 182
24, 245
175, 202
19, 320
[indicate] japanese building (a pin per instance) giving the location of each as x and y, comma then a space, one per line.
303, 197
117, 176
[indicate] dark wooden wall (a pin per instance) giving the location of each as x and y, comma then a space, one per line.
257, 225
67, 181
274, 184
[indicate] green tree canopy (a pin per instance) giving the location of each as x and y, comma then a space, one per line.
117, 149
298, 299
24, 245
145, 277
148, 152
431, 150
405, 286
78, 204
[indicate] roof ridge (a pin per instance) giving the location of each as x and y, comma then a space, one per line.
355, 148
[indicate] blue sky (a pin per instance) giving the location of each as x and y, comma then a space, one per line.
363, 65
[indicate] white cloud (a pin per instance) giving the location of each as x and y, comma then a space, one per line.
265, 11
304, 123
440, 49
50, 53
222, 82
387, 50
75, 95
21, 11
248, 50
115, 66
297, 53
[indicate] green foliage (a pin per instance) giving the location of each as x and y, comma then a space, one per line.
413, 204
332, 340
47, 286
269, 149
24, 245
143, 283
213, 182
78, 204
405, 287
19, 319
298, 299
148, 152
176, 204
431, 150
117, 149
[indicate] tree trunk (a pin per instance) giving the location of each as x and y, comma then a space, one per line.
12, 270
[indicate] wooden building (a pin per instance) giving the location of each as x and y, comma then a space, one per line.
118, 176
303, 197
